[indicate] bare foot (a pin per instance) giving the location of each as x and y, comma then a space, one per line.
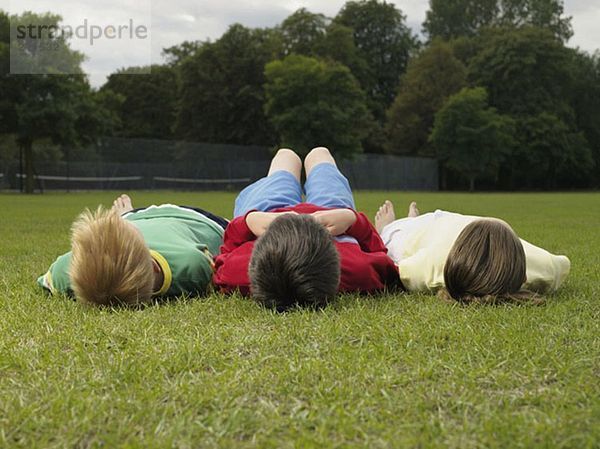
384, 216
122, 204
412, 210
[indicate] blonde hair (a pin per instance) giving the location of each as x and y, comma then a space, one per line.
486, 265
111, 264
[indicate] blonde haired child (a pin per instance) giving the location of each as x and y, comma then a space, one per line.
124, 256
110, 261
467, 258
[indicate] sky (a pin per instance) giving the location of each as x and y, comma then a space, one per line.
170, 22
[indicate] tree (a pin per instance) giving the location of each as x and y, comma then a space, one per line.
7, 120
532, 76
177, 53
450, 19
302, 31
39, 49
222, 93
551, 152
62, 109
431, 78
149, 106
525, 71
312, 102
546, 14
586, 101
471, 138
338, 45
385, 42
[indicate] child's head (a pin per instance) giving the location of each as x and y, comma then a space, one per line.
295, 262
485, 264
111, 264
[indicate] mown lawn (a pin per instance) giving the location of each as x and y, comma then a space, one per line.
393, 371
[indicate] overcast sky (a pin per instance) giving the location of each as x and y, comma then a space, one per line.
173, 21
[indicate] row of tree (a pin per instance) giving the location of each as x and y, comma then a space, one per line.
493, 93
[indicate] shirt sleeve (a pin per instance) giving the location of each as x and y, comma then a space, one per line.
545, 271
231, 265
236, 234
56, 280
366, 235
422, 271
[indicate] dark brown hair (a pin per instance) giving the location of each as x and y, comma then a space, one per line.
486, 265
295, 262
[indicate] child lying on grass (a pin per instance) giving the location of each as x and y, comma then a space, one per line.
286, 252
124, 256
467, 258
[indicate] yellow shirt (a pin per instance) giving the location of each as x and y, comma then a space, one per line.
420, 246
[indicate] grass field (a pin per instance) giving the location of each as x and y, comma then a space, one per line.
394, 371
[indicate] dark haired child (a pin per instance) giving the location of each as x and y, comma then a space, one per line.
285, 252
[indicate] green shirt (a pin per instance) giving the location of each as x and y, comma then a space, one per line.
182, 241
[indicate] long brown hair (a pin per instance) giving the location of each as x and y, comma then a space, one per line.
487, 265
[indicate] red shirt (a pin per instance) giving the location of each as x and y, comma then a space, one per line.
364, 267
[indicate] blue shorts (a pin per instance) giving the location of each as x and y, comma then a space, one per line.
325, 187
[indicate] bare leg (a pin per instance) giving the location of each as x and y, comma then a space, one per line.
412, 210
288, 161
384, 216
122, 204
317, 156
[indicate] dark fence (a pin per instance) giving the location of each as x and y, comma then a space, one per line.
192, 166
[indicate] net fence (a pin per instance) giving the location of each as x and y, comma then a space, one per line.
193, 166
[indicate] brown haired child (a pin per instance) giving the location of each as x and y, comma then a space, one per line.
467, 258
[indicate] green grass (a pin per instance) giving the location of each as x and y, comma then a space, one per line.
393, 371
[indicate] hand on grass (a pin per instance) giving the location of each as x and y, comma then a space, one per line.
336, 221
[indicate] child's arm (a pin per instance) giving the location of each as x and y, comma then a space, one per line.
236, 234
258, 222
247, 228
56, 280
545, 271
336, 221
354, 224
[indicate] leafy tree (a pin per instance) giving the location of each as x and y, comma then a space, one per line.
385, 42
471, 138
338, 45
62, 109
450, 19
551, 93
525, 71
222, 93
586, 101
7, 121
302, 31
431, 78
550, 152
546, 14
177, 53
42, 51
312, 102
149, 106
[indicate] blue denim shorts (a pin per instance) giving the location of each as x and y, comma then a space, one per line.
325, 187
